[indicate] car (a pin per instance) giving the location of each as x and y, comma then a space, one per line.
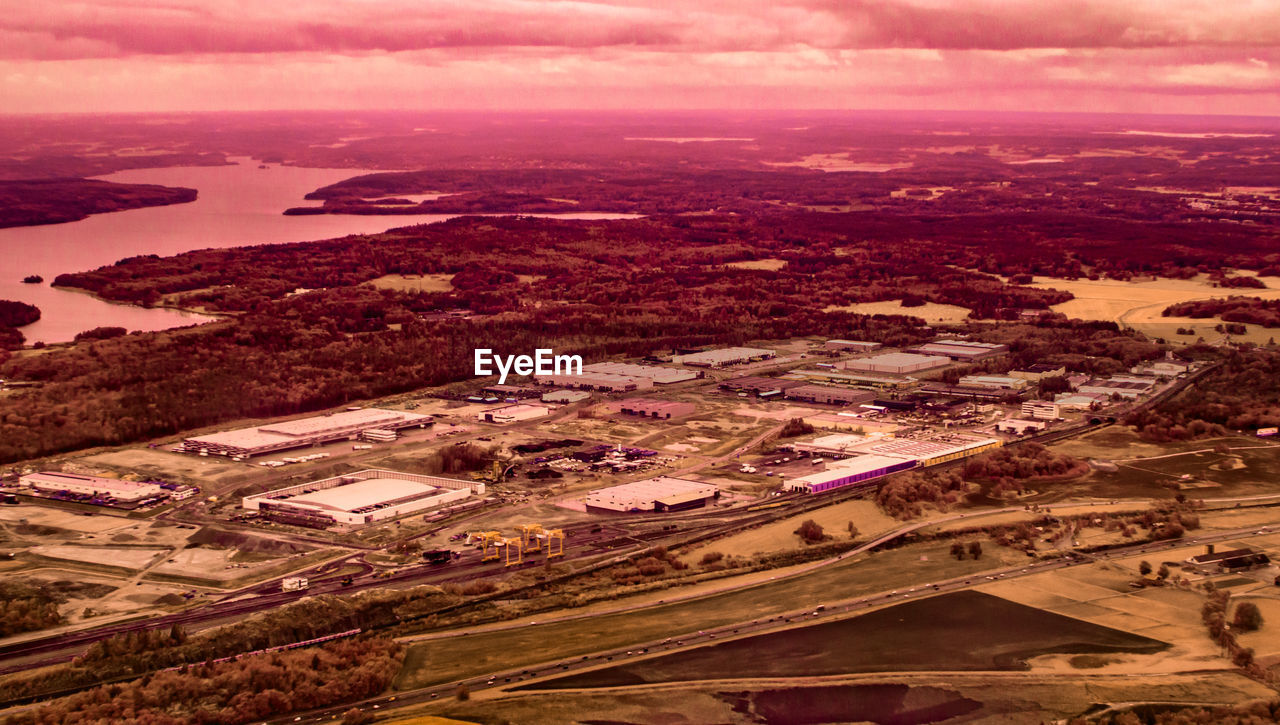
434, 695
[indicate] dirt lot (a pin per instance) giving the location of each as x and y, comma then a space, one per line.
414, 282
780, 535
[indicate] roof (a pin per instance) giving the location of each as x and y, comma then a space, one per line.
850, 467
643, 494
1040, 368
656, 374
1222, 555
728, 354
58, 478
364, 493
899, 359
284, 431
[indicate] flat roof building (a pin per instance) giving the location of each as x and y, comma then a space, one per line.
759, 385
723, 357
879, 381
359, 498
897, 363
565, 396
855, 345
513, 413
1039, 371
347, 424
1124, 387
1020, 426
860, 470
650, 408
1041, 410
606, 382
654, 494
829, 395
95, 487
997, 382
659, 375
961, 350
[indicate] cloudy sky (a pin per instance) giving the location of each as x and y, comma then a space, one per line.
1178, 56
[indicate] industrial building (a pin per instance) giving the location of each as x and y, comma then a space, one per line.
1124, 387
961, 350
1231, 560
1020, 426
1041, 410
968, 391
996, 382
565, 396
345, 425
761, 386
511, 391
1039, 371
1079, 401
359, 498
940, 449
897, 363
829, 395
864, 418
722, 357
836, 444
513, 413
878, 381
849, 472
853, 345
606, 382
650, 408
659, 376
654, 494
94, 488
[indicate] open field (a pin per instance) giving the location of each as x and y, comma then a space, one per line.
1004, 697
169, 466
414, 282
780, 535
931, 312
442, 660
1138, 304
959, 631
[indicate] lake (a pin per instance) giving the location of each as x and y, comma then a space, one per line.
238, 205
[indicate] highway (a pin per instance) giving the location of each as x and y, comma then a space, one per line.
818, 611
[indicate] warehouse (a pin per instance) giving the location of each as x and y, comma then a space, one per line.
995, 382
933, 451
961, 350
1020, 426
513, 413
969, 392
659, 376
853, 345
95, 489
359, 498
850, 472
878, 381
836, 444
1124, 387
655, 494
649, 408
565, 396
897, 363
723, 357
605, 382
764, 387
829, 395
344, 425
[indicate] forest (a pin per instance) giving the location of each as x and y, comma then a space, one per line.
245, 689
1252, 310
1242, 394
595, 288
26, 606
53, 201
12, 316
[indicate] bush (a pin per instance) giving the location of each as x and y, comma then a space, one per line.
811, 532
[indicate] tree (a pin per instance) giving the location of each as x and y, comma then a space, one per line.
1144, 568
810, 531
853, 531
463, 693
356, 716
957, 550
1163, 573
975, 549
1248, 617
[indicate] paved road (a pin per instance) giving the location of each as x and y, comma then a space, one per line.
799, 617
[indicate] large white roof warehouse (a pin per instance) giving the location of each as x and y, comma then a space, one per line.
303, 432
360, 498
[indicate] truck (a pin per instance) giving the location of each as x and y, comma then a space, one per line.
294, 584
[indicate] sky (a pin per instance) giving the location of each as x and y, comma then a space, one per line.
1167, 56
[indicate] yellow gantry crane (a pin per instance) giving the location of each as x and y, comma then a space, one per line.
514, 551
555, 542
490, 543
531, 537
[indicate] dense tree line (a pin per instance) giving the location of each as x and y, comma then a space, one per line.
27, 605
49, 201
903, 496
240, 691
17, 314
1241, 394
1011, 467
1252, 310
139, 652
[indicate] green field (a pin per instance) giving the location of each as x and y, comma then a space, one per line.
443, 660
965, 630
